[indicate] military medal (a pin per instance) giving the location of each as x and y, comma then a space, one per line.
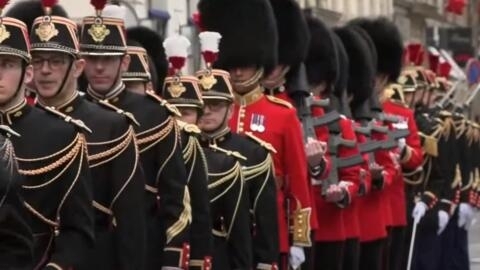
254, 123
261, 125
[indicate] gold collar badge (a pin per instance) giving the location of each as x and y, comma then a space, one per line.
98, 31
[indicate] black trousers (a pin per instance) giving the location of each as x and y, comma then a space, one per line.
351, 254
397, 248
329, 255
371, 255
454, 241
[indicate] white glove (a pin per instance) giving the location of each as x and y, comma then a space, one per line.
402, 143
296, 257
443, 218
419, 211
465, 215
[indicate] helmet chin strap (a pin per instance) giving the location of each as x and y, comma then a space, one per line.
222, 124
65, 77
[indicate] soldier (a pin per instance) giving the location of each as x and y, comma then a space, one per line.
112, 153
138, 77
246, 52
190, 105
27, 12
258, 166
167, 206
389, 46
322, 73
17, 240
57, 188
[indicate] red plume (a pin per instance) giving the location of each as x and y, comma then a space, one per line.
444, 69
197, 20
434, 61
49, 3
98, 4
3, 3
415, 53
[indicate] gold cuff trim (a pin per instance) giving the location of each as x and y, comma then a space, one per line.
184, 219
301, 227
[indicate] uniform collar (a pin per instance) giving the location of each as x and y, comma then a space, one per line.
250, 97
16, 111
110, 96
68, 106
216, 137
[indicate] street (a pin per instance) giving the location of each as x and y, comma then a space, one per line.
475, 245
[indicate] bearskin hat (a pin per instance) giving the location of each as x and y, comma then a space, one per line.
362, 68
28, 11
293, 34
321, 61
343, 66
248, 29
152, 42
388, 42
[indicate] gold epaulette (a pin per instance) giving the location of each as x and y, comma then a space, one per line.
444, 127
171, 108
461, 126
263, 143
189, 128
67, 118
445, 113
227, 152
110, 106
279, 101
430, 145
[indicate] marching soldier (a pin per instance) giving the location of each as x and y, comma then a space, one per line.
16, 247
389, 45
247, 52
190, 106
168, 211
226, 185
57, 188
113, 156
258, 166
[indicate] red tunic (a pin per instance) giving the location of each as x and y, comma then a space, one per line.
411, 159
371, 213
274, 121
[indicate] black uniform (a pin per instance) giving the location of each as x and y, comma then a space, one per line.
437, 176
57, 190
258, 172
118, 187
16, 246
229, 212
167, 201
201, 240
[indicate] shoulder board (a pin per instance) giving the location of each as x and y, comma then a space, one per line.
189, 128
78, 123
171, 108
110, 106
263, 143
279, 101
227, 152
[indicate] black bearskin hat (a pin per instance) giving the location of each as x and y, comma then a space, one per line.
362, 68
388, 42
28, 11
343, 66
152, 42
321, 62
248, 29
293, 34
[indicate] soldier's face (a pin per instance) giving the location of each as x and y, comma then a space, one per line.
51, 69
216, 115
136, 87
239, 76
189, 115
10, 76
104, 72
275, 77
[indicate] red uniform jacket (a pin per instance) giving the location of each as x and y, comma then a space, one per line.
275, 121
387, 159
410, 158
371, 211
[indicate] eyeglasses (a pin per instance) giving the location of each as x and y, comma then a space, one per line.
53, 63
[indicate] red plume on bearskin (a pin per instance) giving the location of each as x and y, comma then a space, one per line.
197, 20
49, 3
3, 3
434, 60
98, 4
444, 69
415, 54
